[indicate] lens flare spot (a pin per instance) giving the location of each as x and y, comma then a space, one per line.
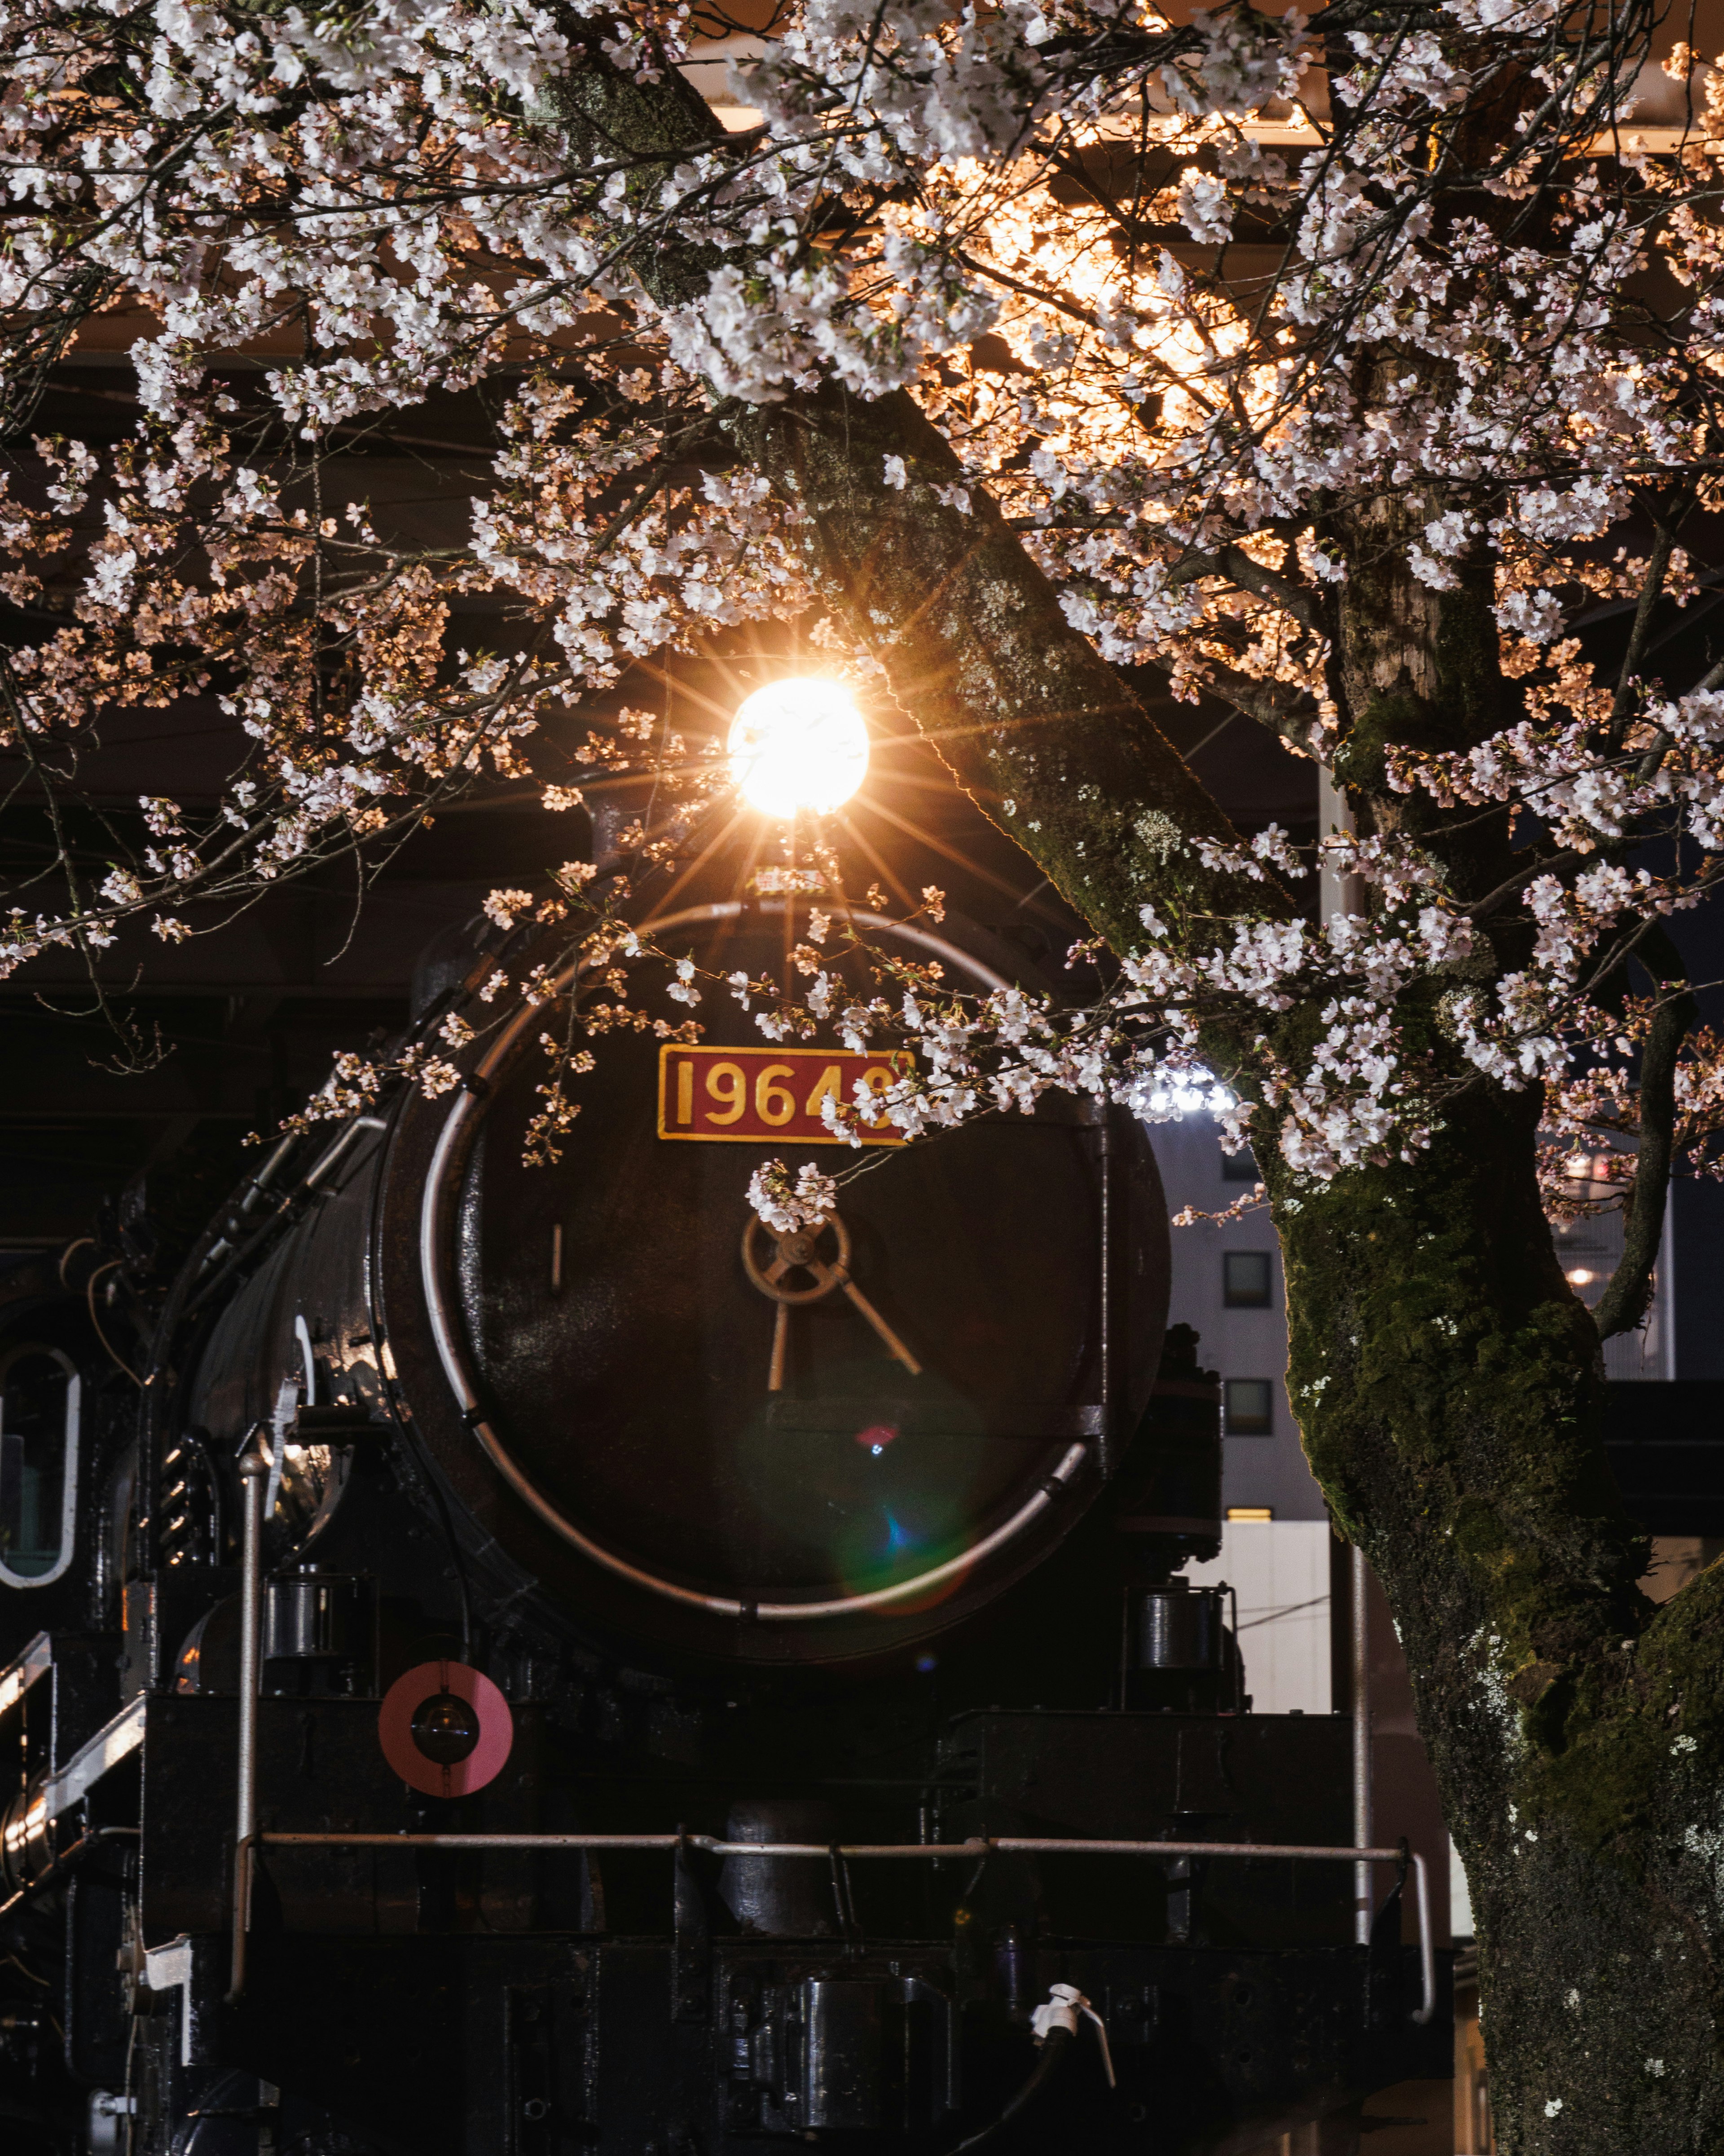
877, 1437
799, 745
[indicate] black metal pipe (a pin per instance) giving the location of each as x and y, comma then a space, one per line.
93, 1838
1056, 2049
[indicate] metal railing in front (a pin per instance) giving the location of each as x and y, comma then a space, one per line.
976, 1846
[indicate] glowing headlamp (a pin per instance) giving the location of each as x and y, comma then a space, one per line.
798, 747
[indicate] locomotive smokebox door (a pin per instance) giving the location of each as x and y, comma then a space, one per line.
811, 1446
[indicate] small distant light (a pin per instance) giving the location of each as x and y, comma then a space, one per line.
1257, 1512
877, 1436
926, 1663
799, 745
1580, 1277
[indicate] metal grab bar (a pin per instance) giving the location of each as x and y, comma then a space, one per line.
253, 1473
1005, 1845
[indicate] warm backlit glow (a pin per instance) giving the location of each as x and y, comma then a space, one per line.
1580, 1277
798, 747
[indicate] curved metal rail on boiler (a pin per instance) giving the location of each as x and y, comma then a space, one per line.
452, 1352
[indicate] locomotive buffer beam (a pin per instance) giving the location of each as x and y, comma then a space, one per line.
973, 1847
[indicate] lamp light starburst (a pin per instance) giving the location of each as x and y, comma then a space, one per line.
798, 747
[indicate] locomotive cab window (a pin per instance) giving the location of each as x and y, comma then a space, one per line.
38, 1464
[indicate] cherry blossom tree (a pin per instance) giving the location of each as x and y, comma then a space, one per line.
1341, 370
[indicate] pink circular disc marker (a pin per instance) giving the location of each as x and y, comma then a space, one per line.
445, 1729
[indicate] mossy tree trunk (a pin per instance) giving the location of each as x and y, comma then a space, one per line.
1449, 1387
1448, 1382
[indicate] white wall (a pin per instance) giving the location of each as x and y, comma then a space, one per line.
1238, 1343
1460, 1907
1280, 1571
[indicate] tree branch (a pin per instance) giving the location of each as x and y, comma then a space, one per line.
1236, 566
1651, 592
1285, 711
1048, 740
1626, 1299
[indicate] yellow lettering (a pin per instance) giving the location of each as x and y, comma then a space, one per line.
685, 1089
832, 1082
726, 1083
774, 1103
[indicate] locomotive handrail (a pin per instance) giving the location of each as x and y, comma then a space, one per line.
974, 1846
17, 1678
463, 1107
236, 1254
253, 1473
115, 1740
26, 1839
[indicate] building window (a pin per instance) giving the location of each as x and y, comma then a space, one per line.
1245, 1280
1250, 1407
38, 1464
1240, 1167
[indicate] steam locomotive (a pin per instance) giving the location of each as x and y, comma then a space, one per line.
529, 1660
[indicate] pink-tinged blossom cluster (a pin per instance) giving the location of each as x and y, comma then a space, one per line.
369, 206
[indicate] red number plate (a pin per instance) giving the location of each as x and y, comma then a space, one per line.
745, 1094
